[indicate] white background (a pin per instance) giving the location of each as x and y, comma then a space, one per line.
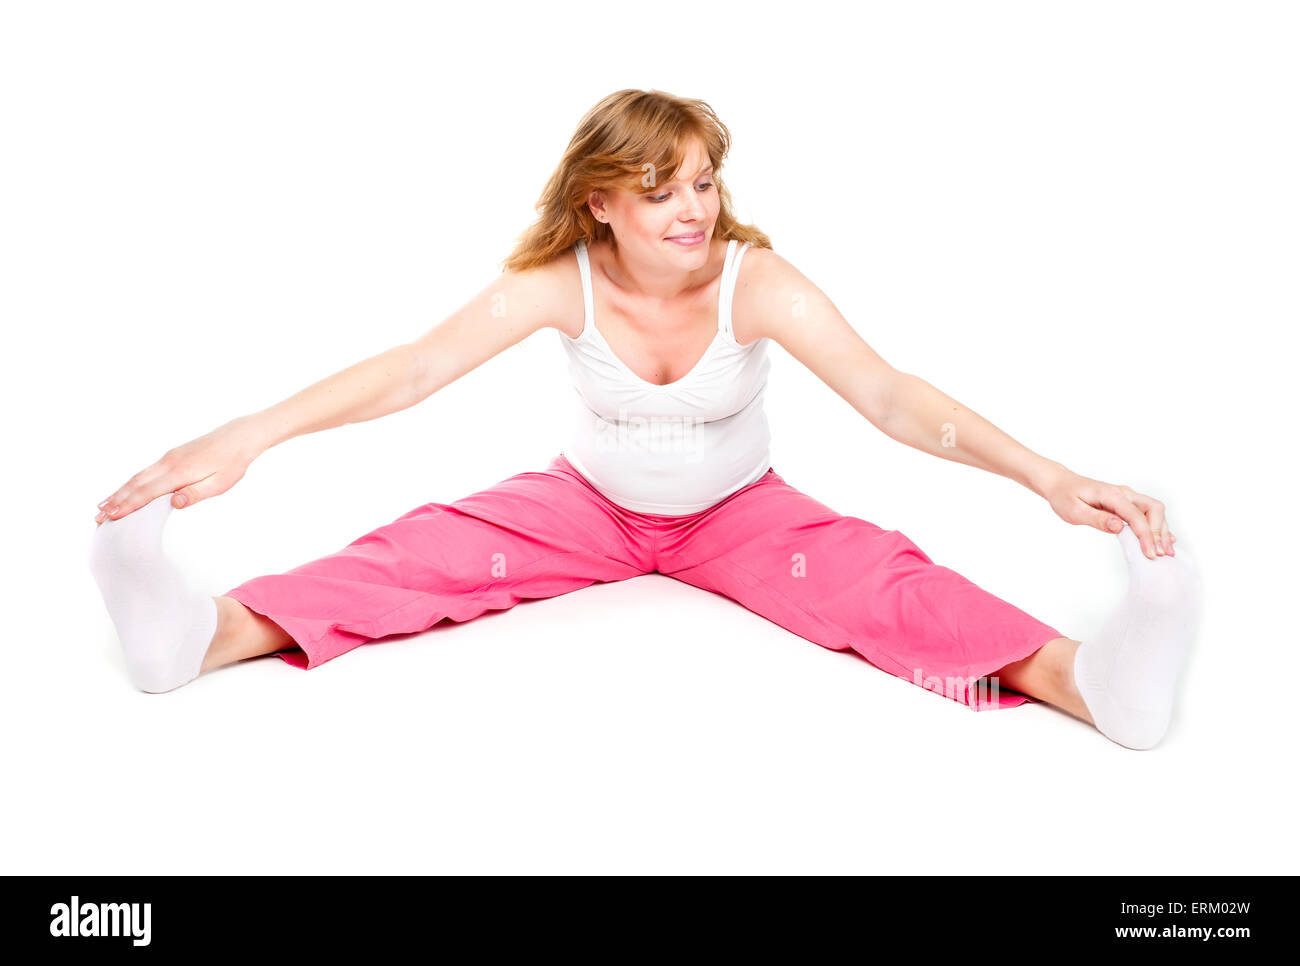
1077, 219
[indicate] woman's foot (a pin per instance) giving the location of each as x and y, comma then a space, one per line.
1127, 672
165, 626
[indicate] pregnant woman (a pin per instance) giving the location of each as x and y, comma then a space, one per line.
665, 306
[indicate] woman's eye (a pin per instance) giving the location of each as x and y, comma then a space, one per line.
658, 198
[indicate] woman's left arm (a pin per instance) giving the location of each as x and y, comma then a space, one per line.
927, 419
777, 301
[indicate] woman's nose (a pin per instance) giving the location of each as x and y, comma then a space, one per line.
693, 210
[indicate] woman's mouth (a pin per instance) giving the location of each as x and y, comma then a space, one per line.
686, 241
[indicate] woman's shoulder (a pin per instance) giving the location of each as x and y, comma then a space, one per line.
764, 281
553, 288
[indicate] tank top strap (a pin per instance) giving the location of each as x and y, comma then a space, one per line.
730, 271
588, 300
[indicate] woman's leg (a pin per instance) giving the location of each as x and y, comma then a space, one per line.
534, 535
845, 583
1048, 675
241, 634
1122, 679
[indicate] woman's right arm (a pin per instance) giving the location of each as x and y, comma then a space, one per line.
507, 311
511, 308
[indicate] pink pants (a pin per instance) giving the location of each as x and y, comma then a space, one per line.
837, 581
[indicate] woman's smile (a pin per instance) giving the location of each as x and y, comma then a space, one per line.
686, 241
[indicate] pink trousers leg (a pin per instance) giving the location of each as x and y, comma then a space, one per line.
536, 534
845, 583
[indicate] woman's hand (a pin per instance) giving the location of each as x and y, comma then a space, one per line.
1080, 500
202, 468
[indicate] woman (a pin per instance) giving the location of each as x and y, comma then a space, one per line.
664, 305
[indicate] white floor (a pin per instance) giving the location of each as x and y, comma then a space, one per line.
640, 726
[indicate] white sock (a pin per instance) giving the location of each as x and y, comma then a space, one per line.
164, 625
1126, 673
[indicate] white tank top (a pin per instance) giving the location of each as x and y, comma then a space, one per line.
673, 449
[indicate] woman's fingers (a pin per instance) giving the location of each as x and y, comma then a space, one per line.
1155, 511
1155, 514
150, 482
1156, 541
1114, 499
1107, 507
1101, 519
202, 468
199, 490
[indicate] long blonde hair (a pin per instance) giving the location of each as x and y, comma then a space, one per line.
614, 145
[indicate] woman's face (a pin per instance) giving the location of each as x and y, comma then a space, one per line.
672, 223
